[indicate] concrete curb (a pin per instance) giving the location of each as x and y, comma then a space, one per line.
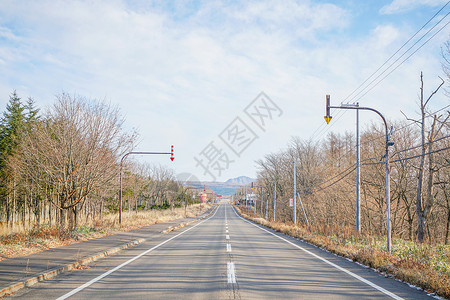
14, 287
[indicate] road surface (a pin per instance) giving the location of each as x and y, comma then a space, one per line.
222, 257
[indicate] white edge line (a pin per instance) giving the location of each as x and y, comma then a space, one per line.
82, 287
326, 261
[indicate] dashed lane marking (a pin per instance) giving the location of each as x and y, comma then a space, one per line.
231, 273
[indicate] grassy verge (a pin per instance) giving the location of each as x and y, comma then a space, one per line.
45, 237
423, 265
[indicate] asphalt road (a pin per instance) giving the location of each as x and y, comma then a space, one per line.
222, 257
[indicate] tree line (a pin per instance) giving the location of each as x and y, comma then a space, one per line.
63, 165
325, 177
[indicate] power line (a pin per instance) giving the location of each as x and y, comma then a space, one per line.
323, 188
397, 51
403, 127
415, 147
320, 131
350, 169
404, 53
404, 59
408, 158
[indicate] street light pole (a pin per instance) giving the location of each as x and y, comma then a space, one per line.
387, 144
120, 173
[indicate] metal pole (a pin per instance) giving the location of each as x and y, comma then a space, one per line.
267, 206
295, 207
388, 200
274, 199
358, 177
246, 202
254, 202
120, 192
261, 200
120, 176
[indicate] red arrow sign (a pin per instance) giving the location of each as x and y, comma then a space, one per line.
171, 154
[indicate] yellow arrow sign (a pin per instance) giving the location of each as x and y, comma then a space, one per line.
327, 119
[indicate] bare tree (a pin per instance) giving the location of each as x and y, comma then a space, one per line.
425, 199
76, 150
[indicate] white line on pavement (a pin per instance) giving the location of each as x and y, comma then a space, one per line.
226, 231
82, 287
227, 237
392, 295
228, 247
231, 273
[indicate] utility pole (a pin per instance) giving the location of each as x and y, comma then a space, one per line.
388, 143
274, 199
246, 202
262, 198
358, 174
295, 192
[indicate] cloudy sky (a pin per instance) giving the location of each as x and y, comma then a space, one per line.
186, 72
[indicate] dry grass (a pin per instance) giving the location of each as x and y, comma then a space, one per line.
24, 242
426, 266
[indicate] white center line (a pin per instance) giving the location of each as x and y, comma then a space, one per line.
227, 237
226, 231
228, 247
231, 273
392, 295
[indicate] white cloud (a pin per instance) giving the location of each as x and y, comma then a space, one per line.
400, 6
180, 75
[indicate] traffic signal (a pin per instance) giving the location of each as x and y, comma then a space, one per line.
328, 116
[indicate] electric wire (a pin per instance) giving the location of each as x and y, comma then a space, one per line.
352, 168
407, 158
398, 58
397, 51
320, 131
362, 96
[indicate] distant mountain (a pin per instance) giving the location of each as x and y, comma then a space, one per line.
241, 180
222, 188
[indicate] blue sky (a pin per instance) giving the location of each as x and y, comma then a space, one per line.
182, 71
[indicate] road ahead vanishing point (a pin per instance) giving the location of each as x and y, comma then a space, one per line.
222, 257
